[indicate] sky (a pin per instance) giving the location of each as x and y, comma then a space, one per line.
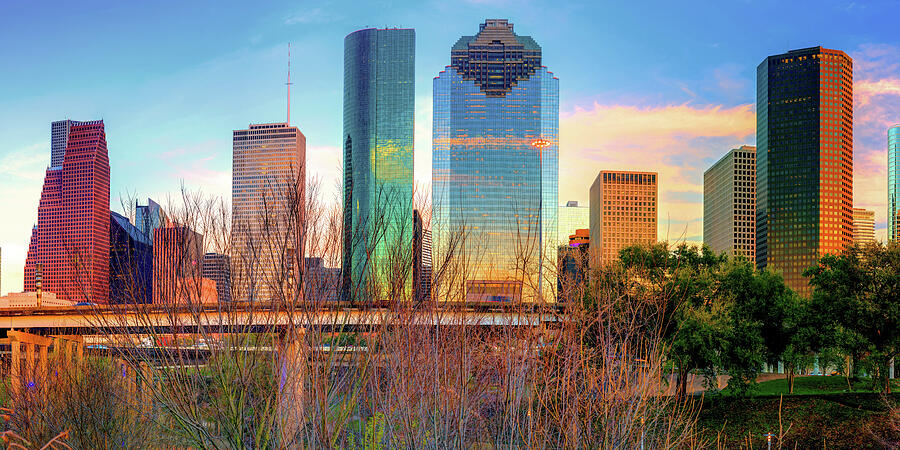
663, 86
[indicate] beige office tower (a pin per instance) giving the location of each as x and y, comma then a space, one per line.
729, 204
622, 213
863, 227
267, 189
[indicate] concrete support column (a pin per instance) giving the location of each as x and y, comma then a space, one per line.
292, 368
15, 367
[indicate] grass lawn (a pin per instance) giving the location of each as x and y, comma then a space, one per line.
821, 413
816, 385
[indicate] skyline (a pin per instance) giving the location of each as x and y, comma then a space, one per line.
169, 121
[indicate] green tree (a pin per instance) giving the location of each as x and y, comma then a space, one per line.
694, 322
766, 317
859, 292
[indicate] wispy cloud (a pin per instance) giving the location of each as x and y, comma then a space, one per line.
876, 91
678, 141
313, 15
21, 178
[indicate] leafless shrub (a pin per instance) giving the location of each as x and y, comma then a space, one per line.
285, 364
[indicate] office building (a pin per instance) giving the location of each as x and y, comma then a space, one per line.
574, 264
70, 243
130, 262
322, 284
29, 300
422, 263
863, 227
379, 113
177, 264
893, 173
495, 167
623, 213
267, 189
217, 267
572, 217
729, 204
59, 138
804, 160
148, 217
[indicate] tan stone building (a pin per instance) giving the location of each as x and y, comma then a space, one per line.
623, 212
863, 227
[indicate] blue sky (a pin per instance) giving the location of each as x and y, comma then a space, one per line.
667, 86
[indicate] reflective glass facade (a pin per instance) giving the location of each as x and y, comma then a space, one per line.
495, 168
893, 199
804, 160
379, 114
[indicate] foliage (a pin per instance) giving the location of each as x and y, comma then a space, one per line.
857, 293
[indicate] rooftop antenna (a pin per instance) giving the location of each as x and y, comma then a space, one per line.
288, 84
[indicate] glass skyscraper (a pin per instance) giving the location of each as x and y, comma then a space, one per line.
379, 114
804, 170
893, 211
496, 169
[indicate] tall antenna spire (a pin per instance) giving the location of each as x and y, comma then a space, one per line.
289, 86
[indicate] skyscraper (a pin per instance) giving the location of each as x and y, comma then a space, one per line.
379, 114
217, 267
421, 259
863, 227
572, 218
177, 263
893, 173
59, 138
623, 213
130, 262
804, 170
729, 204
70, 242
148, 217
495, 168
267, 189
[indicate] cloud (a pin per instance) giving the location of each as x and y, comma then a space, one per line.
21, 180
876, 92
867, 90
313, 15
678, 141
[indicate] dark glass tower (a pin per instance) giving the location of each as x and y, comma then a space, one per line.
496, 169
379, 112
804, 167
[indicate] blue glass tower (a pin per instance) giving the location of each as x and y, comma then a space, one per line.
894, 183
379, 112
496, 166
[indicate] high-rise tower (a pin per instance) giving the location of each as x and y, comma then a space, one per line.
804, 170
893, 199
729, 204
379, 113
623, 213
70, 243
863, 227
495, 168
267, 189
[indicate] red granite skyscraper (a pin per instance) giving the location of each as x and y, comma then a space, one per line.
70, 242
